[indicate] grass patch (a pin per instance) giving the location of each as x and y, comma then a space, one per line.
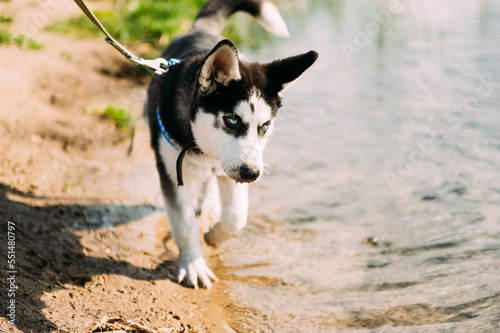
6, 38
5, 19
120, 116
145, 21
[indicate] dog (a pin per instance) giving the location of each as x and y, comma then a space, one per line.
216, 109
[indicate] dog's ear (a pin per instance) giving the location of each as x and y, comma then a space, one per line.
220, 66
281, 73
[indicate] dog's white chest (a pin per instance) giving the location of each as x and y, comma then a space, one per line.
194, 167
201, 167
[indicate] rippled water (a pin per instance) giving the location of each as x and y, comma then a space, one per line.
381, 209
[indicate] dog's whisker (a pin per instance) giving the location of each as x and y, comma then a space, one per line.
266, 169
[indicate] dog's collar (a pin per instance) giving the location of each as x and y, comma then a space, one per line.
183, 152
164, 131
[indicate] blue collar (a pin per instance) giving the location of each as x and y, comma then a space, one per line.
173, 61
170, 62
183, 152
164, 131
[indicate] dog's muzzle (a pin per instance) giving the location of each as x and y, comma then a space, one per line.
248, 174
241, 172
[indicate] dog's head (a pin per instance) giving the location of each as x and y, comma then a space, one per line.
236, 104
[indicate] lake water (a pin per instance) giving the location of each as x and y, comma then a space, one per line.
381, 208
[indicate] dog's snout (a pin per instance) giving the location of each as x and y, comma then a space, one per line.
249, 174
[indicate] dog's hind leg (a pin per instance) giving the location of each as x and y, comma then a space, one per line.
208, 204
234, 211
208, 198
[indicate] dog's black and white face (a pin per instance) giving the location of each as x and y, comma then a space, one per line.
236, 105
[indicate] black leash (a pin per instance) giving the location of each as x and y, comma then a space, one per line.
183, 153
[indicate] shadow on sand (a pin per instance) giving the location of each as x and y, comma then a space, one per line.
49, 255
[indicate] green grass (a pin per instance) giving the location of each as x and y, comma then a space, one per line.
5, 19
120, 116
6, 38
145, 21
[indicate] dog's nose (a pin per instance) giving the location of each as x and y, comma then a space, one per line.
249, 174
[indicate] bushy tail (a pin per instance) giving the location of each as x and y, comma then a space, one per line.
214, 14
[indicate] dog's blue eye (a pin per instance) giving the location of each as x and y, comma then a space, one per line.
265, 127
233, 122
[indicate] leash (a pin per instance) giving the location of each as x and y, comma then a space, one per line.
183, 153
159, 65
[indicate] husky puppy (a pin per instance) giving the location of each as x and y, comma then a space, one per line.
223, 106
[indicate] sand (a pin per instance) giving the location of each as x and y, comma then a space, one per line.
91, 239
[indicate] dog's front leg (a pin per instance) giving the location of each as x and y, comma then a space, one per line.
234, 211
185, 230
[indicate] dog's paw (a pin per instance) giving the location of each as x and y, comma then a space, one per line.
193, 269
210, 238
215, 236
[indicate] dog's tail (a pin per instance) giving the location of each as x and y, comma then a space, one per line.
214, 14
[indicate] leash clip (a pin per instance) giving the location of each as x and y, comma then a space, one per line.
159, 65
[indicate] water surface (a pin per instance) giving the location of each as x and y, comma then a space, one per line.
380, 210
